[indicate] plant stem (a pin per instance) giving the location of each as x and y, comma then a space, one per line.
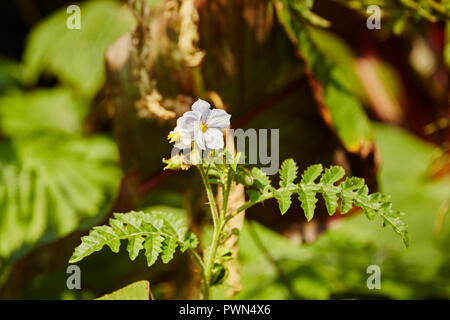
226, 195
200, 263
218, 226
247, 205
209, 193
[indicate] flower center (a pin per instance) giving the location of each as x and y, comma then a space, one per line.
203, 126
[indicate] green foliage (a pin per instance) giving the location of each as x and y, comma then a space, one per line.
398, 13
288, 173
334, 266
139, 290
262, 181
56, 110
447, 37
347, 114
49, 183
304, 8
159, 234
352, 191
75, 56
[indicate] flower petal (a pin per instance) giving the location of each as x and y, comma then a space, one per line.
199, 138
190, 121
218, 119
181, 145
214, 138
185, 138
203, 107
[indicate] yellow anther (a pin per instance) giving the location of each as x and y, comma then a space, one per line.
203, 126
173, 136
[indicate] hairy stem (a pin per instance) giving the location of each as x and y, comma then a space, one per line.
218, 227
210, 194
247, 205
200, 263
226, 195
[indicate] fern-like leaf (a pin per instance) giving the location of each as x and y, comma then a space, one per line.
330, 191
159, 234
262, 181
288, 172
283, 197
352, 192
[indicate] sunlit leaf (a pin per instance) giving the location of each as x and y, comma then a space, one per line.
76, 56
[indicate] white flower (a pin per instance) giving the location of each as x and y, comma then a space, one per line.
204, 126
180, 136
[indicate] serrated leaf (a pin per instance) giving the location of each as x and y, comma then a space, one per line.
169, 247
288, 172
262, 181
330, 176
159, 233
153, 247
283, 197
254, 196
308, 202
190, 241
311, 173
134, 246
352, 191
349, 186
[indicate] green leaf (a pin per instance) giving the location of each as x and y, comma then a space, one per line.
49, 184
159, 233
344, 111
330, 176
136, 291
352, 191
288, 172
308, 15
261, 180
76, 56
349, 186
308, 201
169, 247
311, 173
134, 247
153, 247
55, 110
254, 196
190, 241
283, 197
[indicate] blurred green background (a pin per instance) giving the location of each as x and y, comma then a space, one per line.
83, 131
